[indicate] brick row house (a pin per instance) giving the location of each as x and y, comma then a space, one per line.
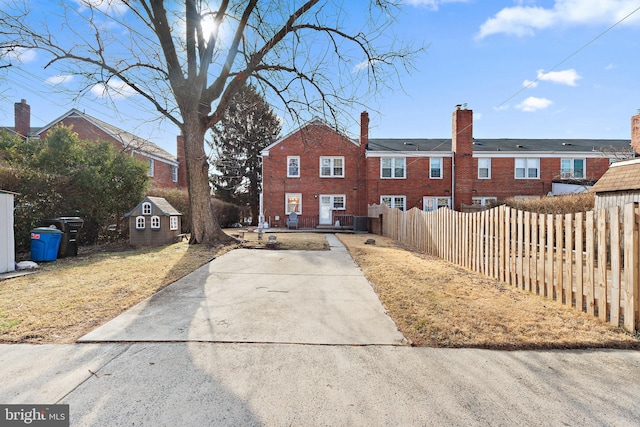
324, 176
165, 170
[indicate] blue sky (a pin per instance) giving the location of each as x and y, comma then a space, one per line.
528, 69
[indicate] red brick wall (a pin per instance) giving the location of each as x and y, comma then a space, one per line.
416, 185
312, 142
635, 133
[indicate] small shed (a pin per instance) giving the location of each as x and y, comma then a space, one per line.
7, 242
620, 185
154, 222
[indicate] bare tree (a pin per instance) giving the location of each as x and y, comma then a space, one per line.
188, 60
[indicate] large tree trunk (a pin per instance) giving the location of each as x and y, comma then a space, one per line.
204, 226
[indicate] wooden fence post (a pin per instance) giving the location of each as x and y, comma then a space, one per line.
630, 266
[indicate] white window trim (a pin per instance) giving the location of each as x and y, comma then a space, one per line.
293, 158
527, 165
435, 204
151, 164
332, 198
393, 167
431, 159
488, 160
173, 223
286, 204
146, 208
484, 201
393, 201
174, 173
332, 158
573, 167
140, 223
155, 222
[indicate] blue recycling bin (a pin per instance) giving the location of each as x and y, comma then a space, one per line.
45, 242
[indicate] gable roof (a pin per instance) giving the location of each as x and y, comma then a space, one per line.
505, 145
129, 141
620, 176
159, 202
316, 121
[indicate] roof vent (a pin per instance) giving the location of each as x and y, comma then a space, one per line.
519, 146
566, 143
408, 143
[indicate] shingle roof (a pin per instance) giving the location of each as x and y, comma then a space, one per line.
621, 176
128, 140
159, 202
502, 144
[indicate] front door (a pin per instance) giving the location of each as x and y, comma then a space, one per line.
325, 210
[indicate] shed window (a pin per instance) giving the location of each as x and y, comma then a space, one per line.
140, 223
155, 222
173, 223
146, 208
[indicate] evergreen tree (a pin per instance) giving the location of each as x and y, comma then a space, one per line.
247, 127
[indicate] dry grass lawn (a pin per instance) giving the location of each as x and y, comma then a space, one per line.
437, 304
71, 296
433, 303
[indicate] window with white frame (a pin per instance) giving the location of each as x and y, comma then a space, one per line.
155, 222
393, 167
332, 167
572, 168
338, 202
484, 168
484, 201
146, 208
435, 167
293, 203
150, 167
399, 202
293, 166
430, 203
527, 168
140, 223
174, 173
173, 223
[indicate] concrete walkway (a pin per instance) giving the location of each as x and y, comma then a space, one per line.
302, 297
205, 369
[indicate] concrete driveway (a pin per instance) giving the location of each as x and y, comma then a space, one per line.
302, 297
203, 354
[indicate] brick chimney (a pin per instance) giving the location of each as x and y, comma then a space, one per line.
363, 192
364, 131
182, 162
22, 114
635, 132
462, 147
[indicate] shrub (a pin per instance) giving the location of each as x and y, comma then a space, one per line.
570, 203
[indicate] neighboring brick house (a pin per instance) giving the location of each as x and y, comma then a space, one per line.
423, 173
164, 168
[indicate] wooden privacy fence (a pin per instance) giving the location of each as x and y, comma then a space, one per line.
586, 260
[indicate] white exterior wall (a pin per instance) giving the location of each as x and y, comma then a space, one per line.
7, 243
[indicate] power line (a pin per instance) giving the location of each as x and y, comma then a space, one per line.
568, 57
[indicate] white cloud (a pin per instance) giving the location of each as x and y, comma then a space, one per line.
115, 89
530, 83
432, 4
610, 67
105, 6
532, 104
59, 79
19, 54
526, 20
566, 77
